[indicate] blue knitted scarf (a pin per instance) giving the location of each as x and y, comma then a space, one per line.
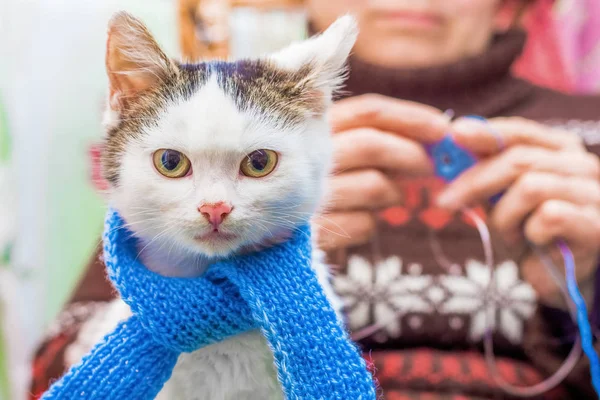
275, 290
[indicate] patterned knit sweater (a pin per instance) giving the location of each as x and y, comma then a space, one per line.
433, 347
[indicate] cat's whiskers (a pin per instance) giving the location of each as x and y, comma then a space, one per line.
156, 237
344, 234
279, 207
266, 228
305, 213
282, 215
286, 224
130, 224
173, 244
145, 212
137, 232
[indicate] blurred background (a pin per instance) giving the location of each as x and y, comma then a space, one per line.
52, 92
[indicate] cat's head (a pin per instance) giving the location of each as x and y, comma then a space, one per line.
216, 156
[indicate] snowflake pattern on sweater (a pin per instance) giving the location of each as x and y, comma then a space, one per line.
384, 294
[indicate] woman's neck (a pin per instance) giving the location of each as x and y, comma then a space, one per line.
481, 84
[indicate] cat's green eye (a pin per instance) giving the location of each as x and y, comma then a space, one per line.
259, 163
171, 163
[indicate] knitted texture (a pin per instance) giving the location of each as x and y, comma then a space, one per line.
313, 355
276, 290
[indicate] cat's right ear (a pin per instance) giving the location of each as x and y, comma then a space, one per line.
134, 61
323, 57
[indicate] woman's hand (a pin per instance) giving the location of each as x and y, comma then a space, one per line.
551, 190
375, 139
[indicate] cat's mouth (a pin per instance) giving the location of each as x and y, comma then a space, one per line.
214, 236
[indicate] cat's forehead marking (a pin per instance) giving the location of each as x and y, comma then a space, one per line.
261, 84
209, 121
284, 97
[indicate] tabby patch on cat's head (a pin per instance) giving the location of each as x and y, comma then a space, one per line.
216, 113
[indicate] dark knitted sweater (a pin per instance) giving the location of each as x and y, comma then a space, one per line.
433, 347
397, 272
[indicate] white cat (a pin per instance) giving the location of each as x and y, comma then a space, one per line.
209, 159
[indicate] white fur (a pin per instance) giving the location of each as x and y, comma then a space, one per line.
210, 130
327, 53
331, 48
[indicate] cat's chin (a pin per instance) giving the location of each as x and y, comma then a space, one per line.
221, 245
216, 244
191, 257
215, 239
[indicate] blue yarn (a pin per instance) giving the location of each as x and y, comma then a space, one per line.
450, 161
275, 290
585, 331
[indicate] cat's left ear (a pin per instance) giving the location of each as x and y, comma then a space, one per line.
323, 57
135, 63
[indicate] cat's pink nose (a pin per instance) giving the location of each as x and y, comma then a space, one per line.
215, 213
